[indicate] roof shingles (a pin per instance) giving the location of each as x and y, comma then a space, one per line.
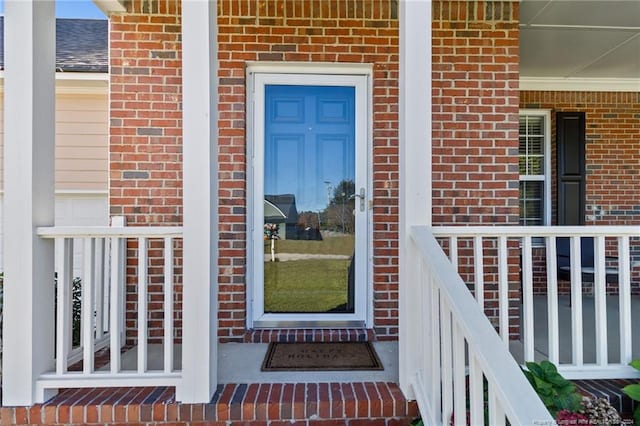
81, 45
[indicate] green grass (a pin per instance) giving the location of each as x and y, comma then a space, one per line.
313, 285
330, 245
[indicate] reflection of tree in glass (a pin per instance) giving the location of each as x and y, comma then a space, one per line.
339, 213
342, 192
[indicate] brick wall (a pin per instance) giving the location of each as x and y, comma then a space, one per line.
145, 141
475, 97
145, 169
612, 146
475, 112
307, 31
475, 127
612, 121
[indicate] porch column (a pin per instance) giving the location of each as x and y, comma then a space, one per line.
200, 188
29, 144
415, 171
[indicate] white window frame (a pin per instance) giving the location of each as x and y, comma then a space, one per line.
546, 207
305, 74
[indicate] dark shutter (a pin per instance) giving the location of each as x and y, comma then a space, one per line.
570, 131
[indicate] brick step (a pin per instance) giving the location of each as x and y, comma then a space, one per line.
610, 389
371, 403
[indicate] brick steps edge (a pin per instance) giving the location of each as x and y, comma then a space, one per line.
610, 389
370, 403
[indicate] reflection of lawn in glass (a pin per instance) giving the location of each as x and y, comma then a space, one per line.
342, 245
311, 285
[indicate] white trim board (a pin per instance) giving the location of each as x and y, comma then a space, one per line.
318, 68
559, 84
76, 83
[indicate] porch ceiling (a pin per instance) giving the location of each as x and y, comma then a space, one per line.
580, 39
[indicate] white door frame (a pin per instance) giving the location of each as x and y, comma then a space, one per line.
259, 75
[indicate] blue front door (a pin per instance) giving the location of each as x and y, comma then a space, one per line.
310, 179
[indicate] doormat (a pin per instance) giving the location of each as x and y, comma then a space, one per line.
321, 356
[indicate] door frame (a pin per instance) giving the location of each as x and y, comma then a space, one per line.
308, 74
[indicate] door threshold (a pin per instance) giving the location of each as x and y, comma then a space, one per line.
268, 335
308, 324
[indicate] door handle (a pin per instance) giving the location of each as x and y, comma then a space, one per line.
362, 198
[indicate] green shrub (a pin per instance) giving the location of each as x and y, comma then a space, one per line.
633, 391
556, 392
76, 308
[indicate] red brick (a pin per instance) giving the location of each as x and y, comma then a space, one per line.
273, 411
262, 402
299, 405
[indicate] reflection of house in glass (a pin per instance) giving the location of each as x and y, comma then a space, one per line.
281, 210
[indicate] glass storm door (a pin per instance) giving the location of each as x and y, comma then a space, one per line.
310, 248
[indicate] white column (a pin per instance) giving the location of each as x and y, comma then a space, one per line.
29, 135
200, 171
415, 170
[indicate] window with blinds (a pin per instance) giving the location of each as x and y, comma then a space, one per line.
534, 167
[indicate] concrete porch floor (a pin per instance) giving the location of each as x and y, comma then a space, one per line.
541, 341
241, 362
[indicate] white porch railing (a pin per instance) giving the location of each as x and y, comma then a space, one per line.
103, 314
462, 358
492, 253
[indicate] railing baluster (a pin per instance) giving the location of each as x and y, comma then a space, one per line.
478, 267
600, 300
142, 305
168, 304
552, 301
64, 326
87, 306
453, 251
447, 368
431, 296
527, 296
106, 279
496, 413
121, 259
459, 372
476, 394
98, 276
503, 288
624, 299
576, 302
115, 328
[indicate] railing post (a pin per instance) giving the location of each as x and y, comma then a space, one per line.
29, 135
415, 174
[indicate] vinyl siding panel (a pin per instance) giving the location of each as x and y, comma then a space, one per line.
81, 142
